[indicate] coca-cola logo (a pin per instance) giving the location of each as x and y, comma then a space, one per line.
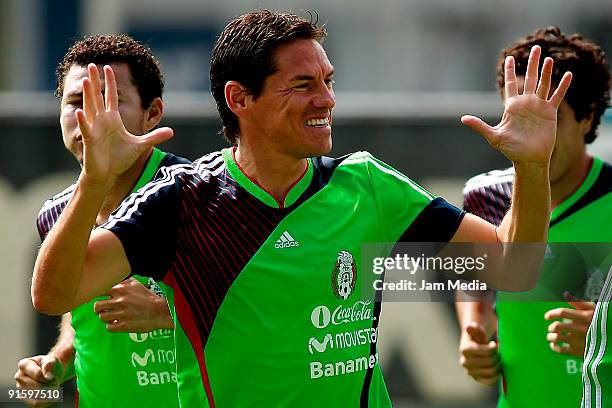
361, 310
157, 334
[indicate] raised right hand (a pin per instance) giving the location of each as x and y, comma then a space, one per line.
43, 371
478, 356
108, 148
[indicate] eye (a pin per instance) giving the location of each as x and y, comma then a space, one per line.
302, 86
76, 103
330, 83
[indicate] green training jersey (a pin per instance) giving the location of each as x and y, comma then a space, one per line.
597, 367
119, 369
274, 305
532, 374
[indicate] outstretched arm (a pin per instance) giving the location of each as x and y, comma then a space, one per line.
74, 264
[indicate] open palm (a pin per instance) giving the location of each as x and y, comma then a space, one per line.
108, 148
527, 130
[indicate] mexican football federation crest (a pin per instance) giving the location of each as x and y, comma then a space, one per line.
344, 275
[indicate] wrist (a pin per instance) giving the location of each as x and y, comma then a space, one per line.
92, 186
164, 317
532, 169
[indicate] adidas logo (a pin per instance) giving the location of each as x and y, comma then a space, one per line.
286, 241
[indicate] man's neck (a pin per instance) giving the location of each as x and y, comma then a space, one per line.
276, 173
122, 187
567, 184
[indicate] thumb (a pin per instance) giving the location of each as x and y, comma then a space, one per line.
577, 303
582, 305
157, 136
477, 333
481, 127
51, 367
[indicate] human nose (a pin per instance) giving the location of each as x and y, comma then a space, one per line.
324, 97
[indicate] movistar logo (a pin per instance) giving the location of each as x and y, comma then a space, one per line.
320, 346
286, 241
143, 361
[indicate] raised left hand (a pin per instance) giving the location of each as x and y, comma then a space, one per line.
526, 133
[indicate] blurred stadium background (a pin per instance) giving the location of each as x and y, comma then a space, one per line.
406, 71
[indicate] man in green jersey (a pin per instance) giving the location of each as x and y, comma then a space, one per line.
261, 242
120, 346
536, 355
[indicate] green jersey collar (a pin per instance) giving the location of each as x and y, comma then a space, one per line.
150, 169
584, 187
295, 191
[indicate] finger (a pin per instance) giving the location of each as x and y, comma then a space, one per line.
559, 327
477, 333
484, 372
566, 349
83, 125
531, 76
559, 94
578, 305
562, 313
472, 362
28, 383
119, 288
480, 351
110, 91
32, 369
117, 327
510, 85
89, 106
545, 78
110, 316
96, 88
104, 305
566, 337
156, 137
490, 381
50, 368
481, 127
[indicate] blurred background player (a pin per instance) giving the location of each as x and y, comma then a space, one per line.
537, 357
114, 342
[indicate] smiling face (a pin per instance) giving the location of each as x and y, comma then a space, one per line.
130, 106
292, 115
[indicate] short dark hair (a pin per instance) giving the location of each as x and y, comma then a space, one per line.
244, 52
108, 49
589, 91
